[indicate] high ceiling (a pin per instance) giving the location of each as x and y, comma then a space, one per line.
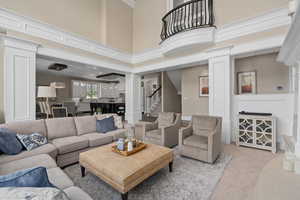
74, 69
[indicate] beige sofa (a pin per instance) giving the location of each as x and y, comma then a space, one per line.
201, 140
67, 138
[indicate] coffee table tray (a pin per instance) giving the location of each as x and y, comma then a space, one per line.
139, 146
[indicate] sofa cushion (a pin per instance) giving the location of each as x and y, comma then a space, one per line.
9, 144
32, 193
61, 127
32, 141
42, 160
156, 134
105, 125
75, 193
196, 141
59, 179
33, 177
70, 144
45, 149
165, 119
85, 124
203, 123
116, 134
98, 139
27, 127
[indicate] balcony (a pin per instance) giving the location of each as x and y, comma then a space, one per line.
191, 23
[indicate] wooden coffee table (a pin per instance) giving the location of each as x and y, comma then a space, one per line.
124, 173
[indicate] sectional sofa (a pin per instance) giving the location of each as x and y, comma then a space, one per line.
67, 138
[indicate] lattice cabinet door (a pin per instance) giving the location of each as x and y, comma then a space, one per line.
257, 131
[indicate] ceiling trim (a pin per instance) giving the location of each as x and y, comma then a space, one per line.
131, 3
251, 48
13, 21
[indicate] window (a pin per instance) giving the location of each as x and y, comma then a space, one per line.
85, 89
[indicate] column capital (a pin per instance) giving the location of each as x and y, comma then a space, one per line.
219, 51
19, 43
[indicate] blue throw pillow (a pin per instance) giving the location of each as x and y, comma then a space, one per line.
32, 141
9, 144
34, 177
106, 125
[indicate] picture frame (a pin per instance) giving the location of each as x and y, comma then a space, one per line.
246, 82
203, 86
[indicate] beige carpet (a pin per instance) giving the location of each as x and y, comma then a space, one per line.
242, 173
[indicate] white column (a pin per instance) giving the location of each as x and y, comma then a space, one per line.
19, 79
220, 89
133, 98
297, 100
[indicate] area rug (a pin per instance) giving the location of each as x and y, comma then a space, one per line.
190, 180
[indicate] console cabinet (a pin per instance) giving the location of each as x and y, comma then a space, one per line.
257, 131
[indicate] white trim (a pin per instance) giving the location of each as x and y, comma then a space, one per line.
131, 3
188, 38
13, 21
273, 19
19, 44
290, 51
256, 47
16, 22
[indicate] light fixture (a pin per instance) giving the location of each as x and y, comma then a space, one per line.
46, 92
58, 67
58, 85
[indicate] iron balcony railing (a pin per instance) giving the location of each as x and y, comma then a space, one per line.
188, 16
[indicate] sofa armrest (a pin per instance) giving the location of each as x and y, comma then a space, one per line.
214, 142
184, 133
142, 127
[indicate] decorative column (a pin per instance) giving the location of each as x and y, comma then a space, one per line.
19, 79
133, 98
220, 89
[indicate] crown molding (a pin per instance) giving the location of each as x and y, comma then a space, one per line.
255, 48
131, 3
269, 20
19, 44
13, 21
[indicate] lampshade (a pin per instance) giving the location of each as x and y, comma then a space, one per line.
46, 91
58, 85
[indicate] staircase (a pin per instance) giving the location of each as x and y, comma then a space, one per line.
153, 103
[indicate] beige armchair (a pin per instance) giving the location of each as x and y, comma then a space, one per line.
201, 140
164, 131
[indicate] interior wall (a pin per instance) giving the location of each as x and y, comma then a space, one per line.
119, 25
77, 16
192, 103
270, 74
171, 100
147, 23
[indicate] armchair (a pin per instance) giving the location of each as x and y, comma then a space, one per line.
164, 131
201, 140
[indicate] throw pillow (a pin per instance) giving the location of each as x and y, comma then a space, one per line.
118, 122
30, 193
9, 144
105, 125
32, 141
34, 177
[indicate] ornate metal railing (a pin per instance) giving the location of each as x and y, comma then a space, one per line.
190, 15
